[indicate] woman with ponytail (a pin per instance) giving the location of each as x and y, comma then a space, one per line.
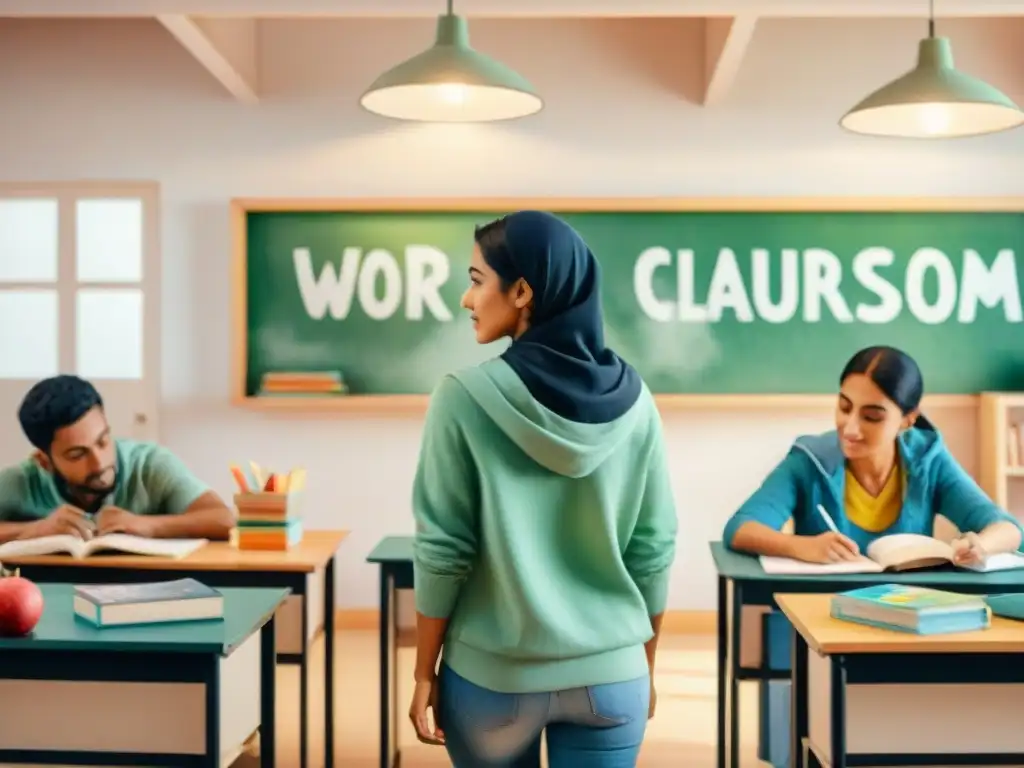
884, 469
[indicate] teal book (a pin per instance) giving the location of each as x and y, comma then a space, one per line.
908, 608
105, 605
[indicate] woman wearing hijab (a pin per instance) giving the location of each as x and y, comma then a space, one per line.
545, 523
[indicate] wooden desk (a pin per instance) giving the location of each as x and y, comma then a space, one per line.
744, 588
221, 564
314, 552
853, 655
175, 671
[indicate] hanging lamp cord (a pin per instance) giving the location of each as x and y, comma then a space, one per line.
931, 16
450, 7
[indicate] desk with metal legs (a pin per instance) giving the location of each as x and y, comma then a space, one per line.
742, 582
63, 653
393, 555
221, 564
971, 719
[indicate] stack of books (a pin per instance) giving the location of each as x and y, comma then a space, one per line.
269, 508
907, 608
302, 384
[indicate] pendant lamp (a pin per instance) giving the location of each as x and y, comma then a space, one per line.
452, 83
934, 100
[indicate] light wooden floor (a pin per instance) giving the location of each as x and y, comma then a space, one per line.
682, 734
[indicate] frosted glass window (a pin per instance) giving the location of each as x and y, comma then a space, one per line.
108, 240
29, 340
28, 241
108, 333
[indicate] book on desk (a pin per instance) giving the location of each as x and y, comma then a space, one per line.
896, 552
909, 608
121, 543
118, 605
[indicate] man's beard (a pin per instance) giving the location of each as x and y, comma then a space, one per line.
88, 491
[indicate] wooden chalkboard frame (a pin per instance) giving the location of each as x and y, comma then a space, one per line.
416, 404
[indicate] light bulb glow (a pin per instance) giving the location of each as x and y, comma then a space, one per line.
935, 119
932, 120
451, 102
452, 93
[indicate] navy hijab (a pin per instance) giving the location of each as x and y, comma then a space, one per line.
561, 358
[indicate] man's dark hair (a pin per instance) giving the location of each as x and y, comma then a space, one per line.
53, 404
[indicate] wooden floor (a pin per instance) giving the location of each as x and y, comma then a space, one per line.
681, 735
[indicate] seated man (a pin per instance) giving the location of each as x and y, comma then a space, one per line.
83, 481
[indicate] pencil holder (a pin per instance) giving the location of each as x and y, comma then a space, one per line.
268, 520
269, 505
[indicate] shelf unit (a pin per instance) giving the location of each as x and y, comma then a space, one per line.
995, 419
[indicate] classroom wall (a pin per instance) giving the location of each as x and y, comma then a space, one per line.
113, 99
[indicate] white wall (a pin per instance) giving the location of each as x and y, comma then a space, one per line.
119, 99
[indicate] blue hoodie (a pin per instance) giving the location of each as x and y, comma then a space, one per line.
814, 472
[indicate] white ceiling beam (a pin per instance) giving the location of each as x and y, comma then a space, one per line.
510, 8
226, 48
725, 44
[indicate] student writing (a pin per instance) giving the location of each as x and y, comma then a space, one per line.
885, 469
83, 481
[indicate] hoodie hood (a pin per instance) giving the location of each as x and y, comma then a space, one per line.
568, 448
562, 358
917, 447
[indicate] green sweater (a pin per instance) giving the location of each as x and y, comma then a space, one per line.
546, 543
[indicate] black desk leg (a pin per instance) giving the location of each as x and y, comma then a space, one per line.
389, 752
723, 639
330, 609
213, 714
304, 683
735, 636
798, 702
838, 697
268, 681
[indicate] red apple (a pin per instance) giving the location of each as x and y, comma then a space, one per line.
21, 606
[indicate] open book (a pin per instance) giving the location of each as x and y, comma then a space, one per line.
112, 542
897, 552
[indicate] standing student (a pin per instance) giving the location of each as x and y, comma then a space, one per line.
545, 523
84, 481
885, 469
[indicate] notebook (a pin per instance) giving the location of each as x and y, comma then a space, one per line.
896, 552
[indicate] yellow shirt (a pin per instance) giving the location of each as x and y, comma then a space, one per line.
874, 513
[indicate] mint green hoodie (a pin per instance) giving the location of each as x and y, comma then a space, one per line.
546, 543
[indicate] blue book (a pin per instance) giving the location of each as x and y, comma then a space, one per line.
908, 608
105, 605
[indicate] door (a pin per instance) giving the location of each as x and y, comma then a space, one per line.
79, 293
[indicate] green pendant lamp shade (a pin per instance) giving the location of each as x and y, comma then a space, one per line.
451, 83
934, 101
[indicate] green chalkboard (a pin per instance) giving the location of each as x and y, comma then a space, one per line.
765, 301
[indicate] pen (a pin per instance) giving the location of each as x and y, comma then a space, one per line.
828, 519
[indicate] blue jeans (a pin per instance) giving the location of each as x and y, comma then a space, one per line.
600, 726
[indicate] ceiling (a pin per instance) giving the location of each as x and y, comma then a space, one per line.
222, 35
510, 8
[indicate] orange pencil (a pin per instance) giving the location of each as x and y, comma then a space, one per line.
240, 481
